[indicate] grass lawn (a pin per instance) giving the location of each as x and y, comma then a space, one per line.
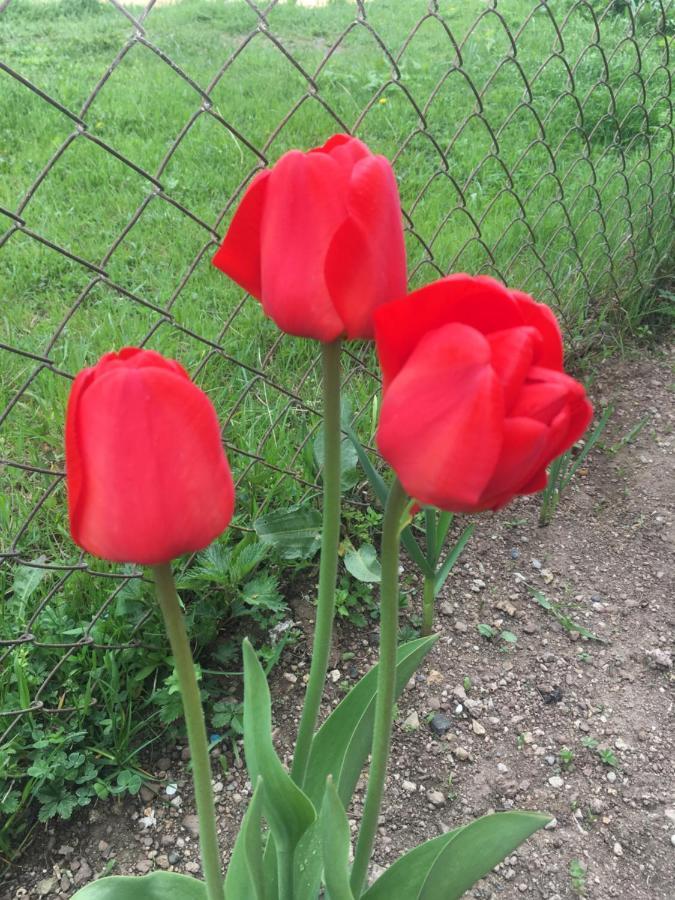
534, 143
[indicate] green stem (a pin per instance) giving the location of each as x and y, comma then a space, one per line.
428, 601
386, 685
330, 538
196, 729
285, 869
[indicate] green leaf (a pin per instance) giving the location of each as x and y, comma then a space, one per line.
288, 811
340, 749
27, 579
335, 841
452, 558
446, 867
363, 563
156, 886
245, 874
509, 637
445, 520
349, 473
486, 631
294, 532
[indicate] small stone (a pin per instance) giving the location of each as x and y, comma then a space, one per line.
191, 823
174, 857
409, 787
663, 659
460, 626
440, 724
185, 754
556, 781
618, 849
143, 866
290, 677
507, 607
84, 873
620, 744
164, 764
171, 790
412, 722
192, 867
335, 675
46, 886
611, 777
436, 797
103, 847
162, 861
596, 806
672, 839
477, 728
536, 564
502, 769
461, 753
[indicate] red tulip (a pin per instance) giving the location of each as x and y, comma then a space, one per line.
146, 473
318, 239
476, 403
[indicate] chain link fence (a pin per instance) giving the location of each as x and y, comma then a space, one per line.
532, 141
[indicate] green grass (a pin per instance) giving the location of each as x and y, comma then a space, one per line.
504, 167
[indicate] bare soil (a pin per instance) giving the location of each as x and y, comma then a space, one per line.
522, 718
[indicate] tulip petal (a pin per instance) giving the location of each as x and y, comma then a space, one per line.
512, 354
550, 351
480, 302
441, 421
151, 479
74, 461
345, 150
305, 205
521, 456
366, 264
239, 254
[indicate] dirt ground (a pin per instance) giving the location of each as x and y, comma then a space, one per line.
581, 728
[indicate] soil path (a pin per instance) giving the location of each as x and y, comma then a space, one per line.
581, 728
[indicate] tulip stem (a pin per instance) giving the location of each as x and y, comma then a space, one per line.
386, 684
196, 728
330, 537
428, 602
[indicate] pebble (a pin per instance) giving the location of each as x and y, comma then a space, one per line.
501, 768
192, 867
290, 677
191, 823
46, 886
436, 797
164, 764
440, 724
143, 866
409, 787
618, 849
460, 626
672, 839
412, 722
477, 728
461, 753
611, 777
84, 873
556, 781
536, 564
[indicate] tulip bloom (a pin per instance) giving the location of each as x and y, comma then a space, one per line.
318, 239
146, 473
476, 403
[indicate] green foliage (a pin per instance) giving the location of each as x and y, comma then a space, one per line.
124, 700
295, 532
578, 877
562, 618
447, 866
156, 886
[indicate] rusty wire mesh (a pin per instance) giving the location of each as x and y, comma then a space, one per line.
600, 238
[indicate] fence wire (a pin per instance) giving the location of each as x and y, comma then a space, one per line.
596, 230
